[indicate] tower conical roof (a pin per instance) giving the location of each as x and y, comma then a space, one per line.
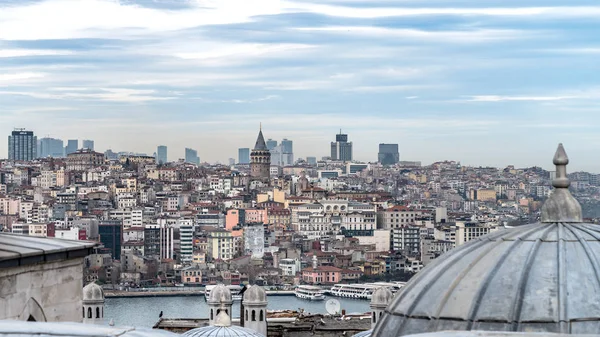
260, 142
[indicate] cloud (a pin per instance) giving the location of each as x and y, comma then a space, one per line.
104, 94
19, 76
32, 52
494, 98
479, 35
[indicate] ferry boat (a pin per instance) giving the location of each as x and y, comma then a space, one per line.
235, 292
312, 293
362, 291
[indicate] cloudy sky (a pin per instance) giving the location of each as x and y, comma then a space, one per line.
483, 82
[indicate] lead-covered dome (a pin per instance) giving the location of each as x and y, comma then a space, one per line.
381, 297
93, 293
255, 295
543, 277
220, 294
222, 328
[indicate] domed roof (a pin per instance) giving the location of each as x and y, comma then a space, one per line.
255, 294
93, 292
219, 294
222, 328
540, 277
382, 297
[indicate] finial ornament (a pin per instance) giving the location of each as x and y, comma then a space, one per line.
260, 126
561, 206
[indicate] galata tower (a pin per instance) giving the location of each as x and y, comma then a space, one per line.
260, 159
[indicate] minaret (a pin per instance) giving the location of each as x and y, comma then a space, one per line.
255, 307
219, 300
260, 159
93, 304
379, 301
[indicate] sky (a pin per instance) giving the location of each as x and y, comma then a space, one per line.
481, 82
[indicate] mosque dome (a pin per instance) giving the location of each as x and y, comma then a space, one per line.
222, 328
255, 295
93, 293
382, 296
543, 277
219, 294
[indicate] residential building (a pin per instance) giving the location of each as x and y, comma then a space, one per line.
111, 236
254, 240
220, 245
341, 149
22, 145
84, 159
186, 240
467, 231
166, 239
322, 275
388, 154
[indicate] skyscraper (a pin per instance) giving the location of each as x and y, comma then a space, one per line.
191, 156
72, 145
161, 154
311, 160
388, 154
244, 155
341, 149
51, 147
271, 144
88, 144
22, 145
288, 151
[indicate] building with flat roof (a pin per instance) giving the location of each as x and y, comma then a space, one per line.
22, 145
388, 154
341, 149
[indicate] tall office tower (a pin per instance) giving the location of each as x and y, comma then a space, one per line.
311, 160
22, 145
51, 147
72, 145
244, 155
341, 149
88, 144
281, 158
161, 154
288, 151
271, 144
388, 154
260, 159
191, 156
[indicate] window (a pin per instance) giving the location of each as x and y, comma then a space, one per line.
253, 315
89, 312
261, 316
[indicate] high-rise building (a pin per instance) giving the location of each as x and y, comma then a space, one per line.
22, 145
341, 149
51, 147
186, 240
271, 144
111, 236
88, 144
72, 145
161, 154
260, 159
191, 156
388, 154
280, 158
311, 160
244, 155
288, 151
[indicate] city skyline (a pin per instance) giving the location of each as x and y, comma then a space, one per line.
486, 84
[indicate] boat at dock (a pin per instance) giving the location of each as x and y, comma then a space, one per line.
236, 290
311, 293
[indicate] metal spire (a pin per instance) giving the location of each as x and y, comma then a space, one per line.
561, 206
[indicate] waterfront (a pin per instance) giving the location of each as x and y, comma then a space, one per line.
144, 311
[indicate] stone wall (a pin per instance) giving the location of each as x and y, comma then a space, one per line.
49, 292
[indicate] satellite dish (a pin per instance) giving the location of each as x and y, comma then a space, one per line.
333, 307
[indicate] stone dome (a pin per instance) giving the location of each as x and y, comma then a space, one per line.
93, 293
382, 297
255, 295
542, 277
219, 294
222, 328
364, 334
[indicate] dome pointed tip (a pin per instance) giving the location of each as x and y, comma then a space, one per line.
561, 158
